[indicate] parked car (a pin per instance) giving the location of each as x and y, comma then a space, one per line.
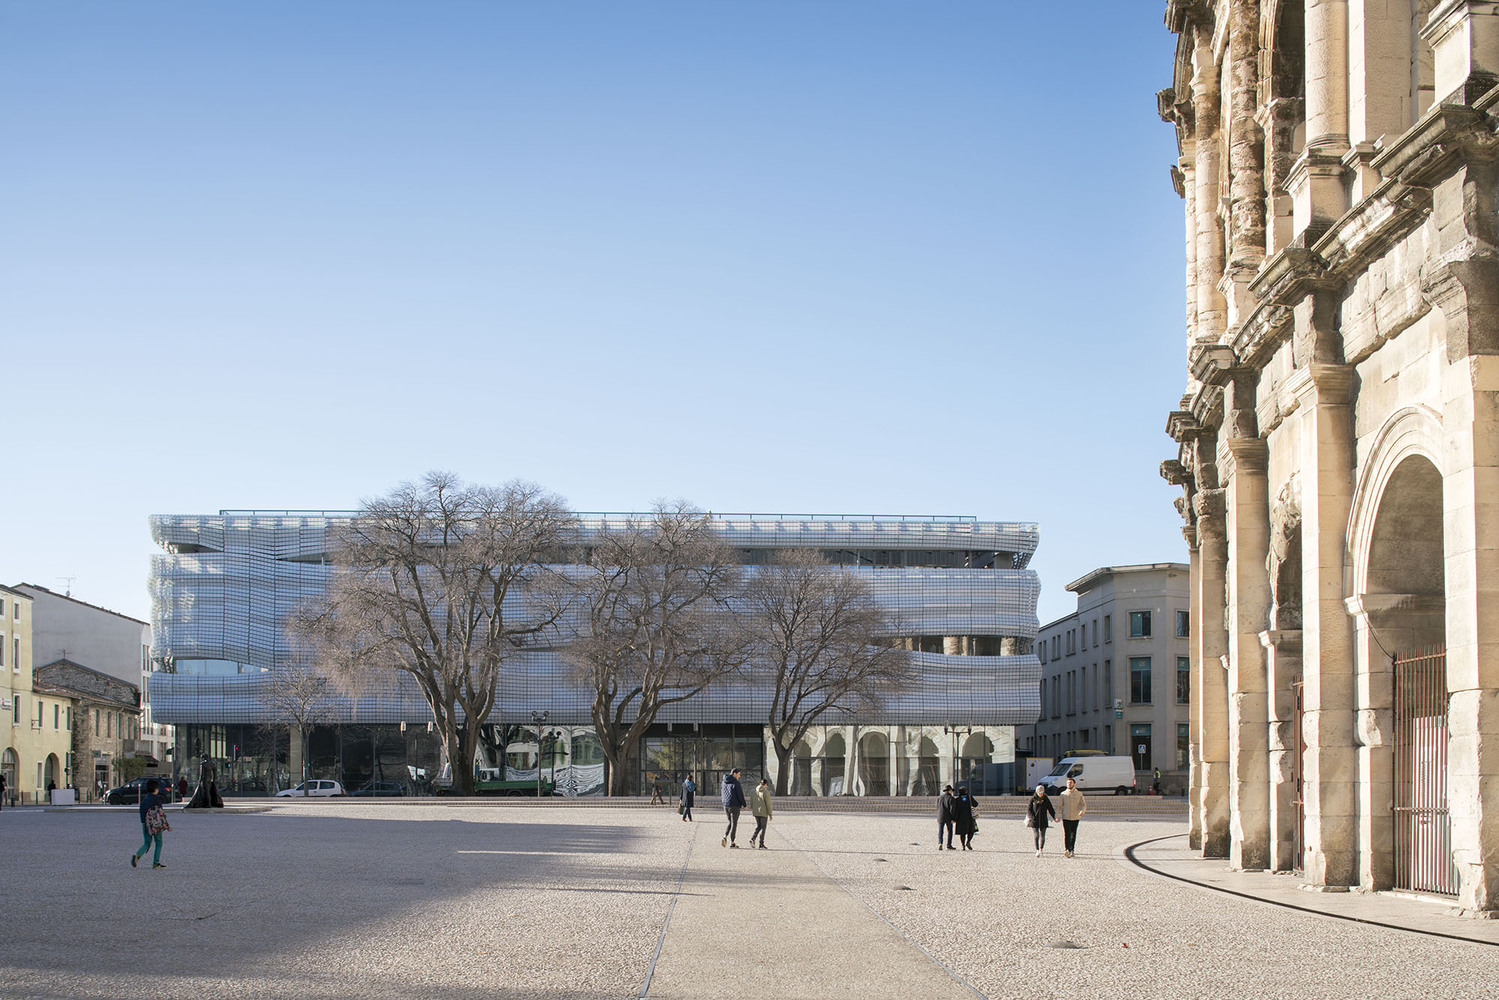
382, 789
315, 788
129, 794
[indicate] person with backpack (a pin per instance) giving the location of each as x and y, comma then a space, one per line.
153, 825
733, 800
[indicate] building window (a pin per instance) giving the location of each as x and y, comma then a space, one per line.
1183, 745
1139, 624
1139, 746
1072, 692
1108, 628
1095, 633
1184, 680
1056, 647
108, 723
15, 717
1071, 641
1082, 638
56, 716
15, 654
1184, 624
96, 722
1139, 680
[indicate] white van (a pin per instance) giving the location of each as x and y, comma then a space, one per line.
1093, 774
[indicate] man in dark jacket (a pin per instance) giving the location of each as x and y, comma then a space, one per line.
944, 817
733, 801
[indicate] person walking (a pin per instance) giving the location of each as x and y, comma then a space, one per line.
761, 807
1036, 812
944, 817
153, 825
732, 797
689, 796
963, 820
1071, 807
2, 791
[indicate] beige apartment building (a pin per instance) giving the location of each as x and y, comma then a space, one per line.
37, 753
1338, 436
1116, 673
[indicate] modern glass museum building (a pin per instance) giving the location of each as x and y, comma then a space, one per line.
224, 585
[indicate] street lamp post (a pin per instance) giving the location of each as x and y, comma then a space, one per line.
540, 718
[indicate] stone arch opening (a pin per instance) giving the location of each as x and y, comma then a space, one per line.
927, 779
801, 769
10, 766
1396, 548
834, 760
874, 763
53, 777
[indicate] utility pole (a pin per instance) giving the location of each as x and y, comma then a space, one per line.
540, 718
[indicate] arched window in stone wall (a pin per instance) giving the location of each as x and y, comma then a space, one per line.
1282, 112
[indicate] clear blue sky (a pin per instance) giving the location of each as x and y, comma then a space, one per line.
843, 257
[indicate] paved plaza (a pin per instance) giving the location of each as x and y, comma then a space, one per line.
311, 900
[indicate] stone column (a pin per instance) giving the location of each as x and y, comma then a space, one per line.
1464, 39
1246, 159
1209, 654
1248, 613
1470, 496
1194, 764
1316, 182
1282, 670
1330, 760
1211, 311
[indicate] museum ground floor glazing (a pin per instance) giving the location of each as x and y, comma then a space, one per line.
257, 759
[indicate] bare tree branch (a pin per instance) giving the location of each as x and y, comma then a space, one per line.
443, 582
656, 629
820, 642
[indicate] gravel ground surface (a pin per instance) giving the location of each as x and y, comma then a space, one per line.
350, 900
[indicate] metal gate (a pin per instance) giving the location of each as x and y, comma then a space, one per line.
1423, 828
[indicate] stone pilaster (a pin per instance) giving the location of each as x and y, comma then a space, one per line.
1470, 496
1210, 650
1316, 180
1194, 776
1464, 40
1248, 520
1282, 672
1330, 764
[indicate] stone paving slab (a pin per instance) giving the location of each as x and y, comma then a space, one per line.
352, 900
773, 921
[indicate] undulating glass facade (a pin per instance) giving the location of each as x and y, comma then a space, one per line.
224, 586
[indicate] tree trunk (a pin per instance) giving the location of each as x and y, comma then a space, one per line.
783, 767
465, 746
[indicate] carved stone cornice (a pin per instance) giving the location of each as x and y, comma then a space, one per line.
1290, 276
1445, 136
1182, 14
1174, 472
1283, 640
1182, 426
1211, 363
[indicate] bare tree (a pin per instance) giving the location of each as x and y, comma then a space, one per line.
656, 626
299, 699
824, 644
443, 582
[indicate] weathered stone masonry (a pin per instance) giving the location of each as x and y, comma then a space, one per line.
1338, 438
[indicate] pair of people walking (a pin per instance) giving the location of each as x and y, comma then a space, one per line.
956, 814
731, 793
1039, 810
